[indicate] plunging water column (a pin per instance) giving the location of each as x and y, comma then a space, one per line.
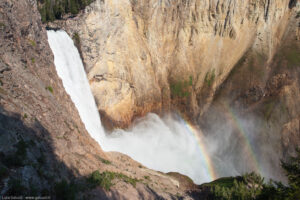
167, 145
70, 69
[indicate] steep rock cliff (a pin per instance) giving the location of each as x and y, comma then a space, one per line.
265, 92
42, 139
41, 132
144, 56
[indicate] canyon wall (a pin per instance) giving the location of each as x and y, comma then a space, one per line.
265, 93
144, 56
45, 149
141, 56
41, 134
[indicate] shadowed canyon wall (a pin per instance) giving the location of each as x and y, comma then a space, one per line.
42, 139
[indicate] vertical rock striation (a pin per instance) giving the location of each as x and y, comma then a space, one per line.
144, 56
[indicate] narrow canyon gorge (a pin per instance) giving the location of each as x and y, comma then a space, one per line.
148, 99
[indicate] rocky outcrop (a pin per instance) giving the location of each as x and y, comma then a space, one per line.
144, 56
42, 139
39, 124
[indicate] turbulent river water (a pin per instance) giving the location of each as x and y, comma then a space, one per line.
167, 144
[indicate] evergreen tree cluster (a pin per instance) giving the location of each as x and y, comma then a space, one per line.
246, 187
252, 187
55, 9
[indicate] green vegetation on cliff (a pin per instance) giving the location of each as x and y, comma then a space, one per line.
50, 89
181, 88
105, 179
245, 187
51, 10
252, 187
104, 161
210, 77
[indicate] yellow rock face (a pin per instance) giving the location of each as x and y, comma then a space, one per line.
135, 52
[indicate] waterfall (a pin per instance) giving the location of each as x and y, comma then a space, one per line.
167, 144
70, 69
160, 144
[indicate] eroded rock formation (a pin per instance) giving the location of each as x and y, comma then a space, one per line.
265, 91
141, 56
144, 56
42, 139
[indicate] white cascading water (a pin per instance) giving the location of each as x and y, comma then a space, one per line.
70, 69
163, 144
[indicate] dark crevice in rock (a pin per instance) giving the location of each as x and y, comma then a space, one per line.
292, 4
267, 10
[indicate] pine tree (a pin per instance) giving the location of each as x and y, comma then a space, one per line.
292, 169
56, 9
74, 7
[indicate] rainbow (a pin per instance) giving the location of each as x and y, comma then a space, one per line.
243, 135
198, 135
